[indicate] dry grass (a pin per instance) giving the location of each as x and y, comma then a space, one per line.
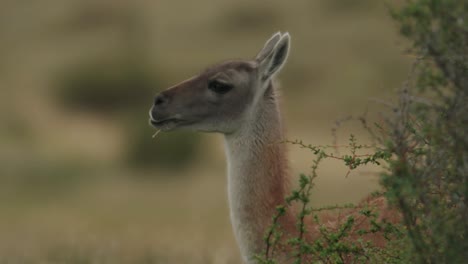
339, 59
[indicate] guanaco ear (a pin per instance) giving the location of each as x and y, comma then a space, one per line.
268, 47
273, 61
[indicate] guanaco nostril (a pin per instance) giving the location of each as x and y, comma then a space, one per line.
160, 99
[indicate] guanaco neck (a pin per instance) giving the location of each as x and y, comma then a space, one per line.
257, 175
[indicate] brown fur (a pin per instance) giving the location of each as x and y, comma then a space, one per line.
249, 117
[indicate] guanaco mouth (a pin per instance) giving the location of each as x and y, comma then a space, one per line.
159, 123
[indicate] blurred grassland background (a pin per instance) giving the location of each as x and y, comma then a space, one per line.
82, 181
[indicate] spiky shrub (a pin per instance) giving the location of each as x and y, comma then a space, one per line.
423, 153
428, 178
352, 237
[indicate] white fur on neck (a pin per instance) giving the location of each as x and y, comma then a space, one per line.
256, 175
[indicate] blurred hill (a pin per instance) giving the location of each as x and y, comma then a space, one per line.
81, 179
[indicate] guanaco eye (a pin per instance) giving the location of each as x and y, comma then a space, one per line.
219, 87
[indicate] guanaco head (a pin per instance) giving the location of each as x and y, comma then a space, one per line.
221, 98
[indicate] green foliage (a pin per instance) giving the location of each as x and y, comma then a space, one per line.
423, 150
428, 179
344, 242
